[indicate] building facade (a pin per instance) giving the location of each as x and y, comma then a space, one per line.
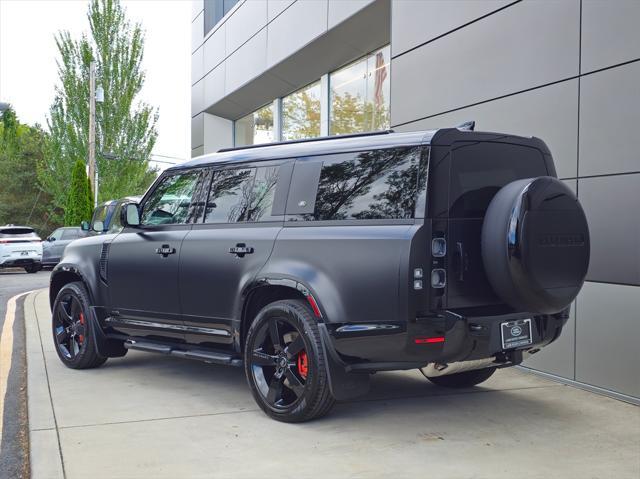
567, 71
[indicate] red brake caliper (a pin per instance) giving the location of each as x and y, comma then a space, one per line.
81, 336
303, 367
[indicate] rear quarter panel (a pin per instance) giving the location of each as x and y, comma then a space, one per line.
353, 271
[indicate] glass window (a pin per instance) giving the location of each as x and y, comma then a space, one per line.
57, 234
70, 234
170, 201
264, 188
301, 113
255, 128
214, 10
379, 184
360, 95
229, 196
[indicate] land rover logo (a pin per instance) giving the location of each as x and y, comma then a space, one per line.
561, 240
516, 331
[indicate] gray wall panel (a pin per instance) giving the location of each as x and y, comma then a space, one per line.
558, 357
609, 106
197, 65
417, 21
218, 133
247, 62
550, 113
214, 48
276, 7
294, 28
523, 46
214, 86
199, 151
197, 31
197, 98
610, 33
340, 10
607, 335
197, 131
245, 22
611, 204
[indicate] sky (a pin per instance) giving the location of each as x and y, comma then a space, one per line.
28, 72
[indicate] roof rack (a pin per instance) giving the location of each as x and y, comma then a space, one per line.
307, 140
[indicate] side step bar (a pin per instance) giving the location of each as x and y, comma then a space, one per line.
197, 354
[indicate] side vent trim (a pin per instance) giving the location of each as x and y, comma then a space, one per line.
104, 256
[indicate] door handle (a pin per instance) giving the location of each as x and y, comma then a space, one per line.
165, 250
241, 249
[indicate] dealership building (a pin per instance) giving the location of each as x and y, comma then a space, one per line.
567, 71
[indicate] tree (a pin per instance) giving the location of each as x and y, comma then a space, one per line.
125, 128
79, 202
22, 200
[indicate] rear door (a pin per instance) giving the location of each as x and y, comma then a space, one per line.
142, 269
478, 170
225, 250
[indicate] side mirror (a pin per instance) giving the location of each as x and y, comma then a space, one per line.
129, 215
51, 239
98, 226
84, 226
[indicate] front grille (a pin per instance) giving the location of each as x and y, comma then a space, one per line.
104, 256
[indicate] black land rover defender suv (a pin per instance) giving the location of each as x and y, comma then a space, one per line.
314, 264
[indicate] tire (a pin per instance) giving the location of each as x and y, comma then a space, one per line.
72, 336
32, 268
465, 379
282, 386
535, 245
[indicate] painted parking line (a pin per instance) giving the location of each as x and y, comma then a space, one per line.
6, 351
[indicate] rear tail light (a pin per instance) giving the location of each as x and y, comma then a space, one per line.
436, 339
438, 278
438, 247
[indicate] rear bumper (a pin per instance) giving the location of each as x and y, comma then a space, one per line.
446, 338
20, 262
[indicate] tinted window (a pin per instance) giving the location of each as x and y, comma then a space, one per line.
379, 184
70, 234
170, 201
479, 170
229, 196
242, 195
18, 233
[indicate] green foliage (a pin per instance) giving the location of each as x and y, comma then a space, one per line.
125, 127
79, 205
22, 201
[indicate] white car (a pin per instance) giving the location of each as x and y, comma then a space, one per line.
20, 247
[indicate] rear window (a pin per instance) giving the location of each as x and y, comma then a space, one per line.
479, 170
378, 184
17, 233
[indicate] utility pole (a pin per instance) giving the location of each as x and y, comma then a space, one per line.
92, 133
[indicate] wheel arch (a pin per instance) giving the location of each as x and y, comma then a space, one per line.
268, 290
62, 276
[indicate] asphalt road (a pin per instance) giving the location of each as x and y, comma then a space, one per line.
14, 450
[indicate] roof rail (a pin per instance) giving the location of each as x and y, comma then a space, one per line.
306, 140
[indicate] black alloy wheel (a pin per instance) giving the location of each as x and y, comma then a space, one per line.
284, 363
279, 363
71, 327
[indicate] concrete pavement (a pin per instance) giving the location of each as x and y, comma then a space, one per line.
147, 415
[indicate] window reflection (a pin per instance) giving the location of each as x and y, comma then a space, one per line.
229, 196
360, 95
301, 113
255, 128
379, 184
169, 202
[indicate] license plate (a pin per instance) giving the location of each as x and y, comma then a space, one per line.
516, 334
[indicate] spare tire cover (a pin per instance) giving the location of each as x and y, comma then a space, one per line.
535, 245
